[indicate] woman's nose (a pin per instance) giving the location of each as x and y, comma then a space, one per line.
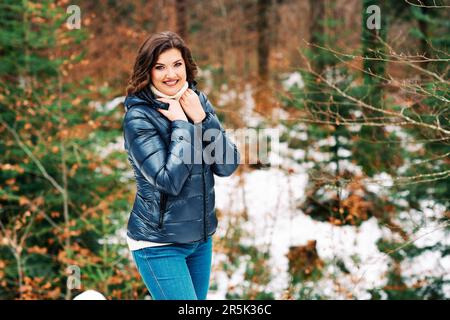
170, 73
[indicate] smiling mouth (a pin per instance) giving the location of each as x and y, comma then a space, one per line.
171, 83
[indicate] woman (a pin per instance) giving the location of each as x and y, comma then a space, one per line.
173, 218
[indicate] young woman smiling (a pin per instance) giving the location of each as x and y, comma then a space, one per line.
173, 217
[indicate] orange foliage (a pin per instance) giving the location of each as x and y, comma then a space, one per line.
79, 256
37, 250
36, 289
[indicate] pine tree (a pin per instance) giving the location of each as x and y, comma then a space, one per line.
59, 198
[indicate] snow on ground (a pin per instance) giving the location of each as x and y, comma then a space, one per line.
270, 196
244, 100
293, 79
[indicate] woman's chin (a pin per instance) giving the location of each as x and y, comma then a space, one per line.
170, 92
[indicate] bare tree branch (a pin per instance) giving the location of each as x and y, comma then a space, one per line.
421, 5
31, 155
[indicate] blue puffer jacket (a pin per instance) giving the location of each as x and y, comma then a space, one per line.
175, 199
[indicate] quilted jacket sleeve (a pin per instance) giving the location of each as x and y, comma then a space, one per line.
165, 167
225, 156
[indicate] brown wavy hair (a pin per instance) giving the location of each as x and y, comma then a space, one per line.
148, 54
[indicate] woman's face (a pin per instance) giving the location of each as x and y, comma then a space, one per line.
169, 73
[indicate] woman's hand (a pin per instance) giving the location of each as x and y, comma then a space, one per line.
175, 111
192, 107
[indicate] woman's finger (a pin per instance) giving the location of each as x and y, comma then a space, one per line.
163, 112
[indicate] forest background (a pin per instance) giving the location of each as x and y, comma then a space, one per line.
353, 204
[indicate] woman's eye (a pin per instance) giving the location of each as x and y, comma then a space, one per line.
162, 67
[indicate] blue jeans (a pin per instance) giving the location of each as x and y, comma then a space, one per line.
176, 271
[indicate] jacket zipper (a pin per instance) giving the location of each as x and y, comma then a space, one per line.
204, 201
162, 208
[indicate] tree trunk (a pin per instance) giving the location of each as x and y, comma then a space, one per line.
317, 32
181, 12
263, 39
262, 96
373, 48
424, 46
